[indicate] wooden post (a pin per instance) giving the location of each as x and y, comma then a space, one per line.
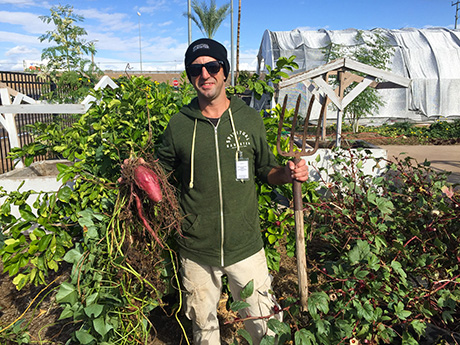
7, 121
338, 139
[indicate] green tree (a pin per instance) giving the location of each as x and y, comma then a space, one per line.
67, 65
208, 18
373, 49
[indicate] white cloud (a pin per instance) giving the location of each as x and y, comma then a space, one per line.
311, 28
111, 42
16, 38
153, 6
248, 60
28, 21
22, 50
108, 21
169, 22
158, 54
21, 3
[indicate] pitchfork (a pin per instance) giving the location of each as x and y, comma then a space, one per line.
297, 187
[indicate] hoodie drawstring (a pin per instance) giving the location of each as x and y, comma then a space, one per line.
192, 156
234, 133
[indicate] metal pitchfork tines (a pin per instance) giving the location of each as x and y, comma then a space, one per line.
297, 186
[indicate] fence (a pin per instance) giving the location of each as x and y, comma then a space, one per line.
34, 87
26, 83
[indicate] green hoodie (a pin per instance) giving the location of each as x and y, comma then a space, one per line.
221, 221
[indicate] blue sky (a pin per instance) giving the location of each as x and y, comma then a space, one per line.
114, 26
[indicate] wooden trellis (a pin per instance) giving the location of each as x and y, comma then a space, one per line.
346, 71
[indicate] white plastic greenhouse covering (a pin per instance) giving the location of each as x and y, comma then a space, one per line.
429, 57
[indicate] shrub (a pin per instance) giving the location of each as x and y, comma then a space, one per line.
383, 255
116, 279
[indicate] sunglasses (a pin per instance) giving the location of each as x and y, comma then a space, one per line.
213, 67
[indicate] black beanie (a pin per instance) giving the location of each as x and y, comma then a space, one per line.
207, 47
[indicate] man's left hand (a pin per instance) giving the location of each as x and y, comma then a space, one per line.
298, 171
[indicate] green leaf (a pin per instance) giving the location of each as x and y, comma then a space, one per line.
272, 239
73, 256
248, 290
84, 337
397, 267
278, 327
385, 206
44, 242
360, 274
53, 265
258, 88
94, 310
447, 316
367, 311
66, 294
400, 312
323, 326
67, 312
238, 305
62, 167
318, 301
304, 337
359, 252
28, 160
101, 326
408, 339
20, 281
91, 299
419, 327
64, 194
26, 213
114, 103
245, 334
5, 209
373, 262
267, 340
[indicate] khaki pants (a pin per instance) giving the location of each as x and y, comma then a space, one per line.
203, 287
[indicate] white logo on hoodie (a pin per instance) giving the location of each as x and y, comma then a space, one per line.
242, 137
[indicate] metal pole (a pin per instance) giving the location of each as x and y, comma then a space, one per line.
456, 12
232, 64
189, 22
140, 45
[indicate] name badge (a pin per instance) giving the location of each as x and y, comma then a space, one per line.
242, 168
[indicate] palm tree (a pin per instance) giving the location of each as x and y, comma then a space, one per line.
238, 42
209, 18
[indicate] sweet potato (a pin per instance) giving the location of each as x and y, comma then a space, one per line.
144, 220
148, 181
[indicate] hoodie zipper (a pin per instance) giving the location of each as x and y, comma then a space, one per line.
221, 202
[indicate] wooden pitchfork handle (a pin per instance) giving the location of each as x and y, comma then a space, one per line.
300, 242
297, 190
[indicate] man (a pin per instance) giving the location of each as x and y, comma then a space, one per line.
217, 148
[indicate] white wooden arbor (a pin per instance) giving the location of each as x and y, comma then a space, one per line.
316, 80
23, 104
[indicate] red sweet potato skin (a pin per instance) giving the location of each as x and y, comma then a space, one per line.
147, 180
145, 222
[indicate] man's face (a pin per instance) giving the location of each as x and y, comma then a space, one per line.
208, 86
